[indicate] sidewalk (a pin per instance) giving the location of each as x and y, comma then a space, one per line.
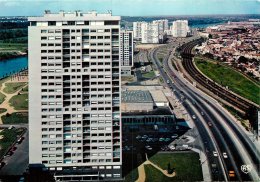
204, 165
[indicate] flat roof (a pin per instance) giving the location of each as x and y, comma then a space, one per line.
158, 96
136, 96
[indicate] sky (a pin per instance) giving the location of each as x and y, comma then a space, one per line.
131, 7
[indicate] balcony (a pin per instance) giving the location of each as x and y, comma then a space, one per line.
86, 58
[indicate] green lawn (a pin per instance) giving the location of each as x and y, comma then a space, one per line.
132, 176
154, 175
24, 90
2, 98
13, 87
15, 118
227, 76
9, 136
150, 74
2, 110
19, 102
186, 165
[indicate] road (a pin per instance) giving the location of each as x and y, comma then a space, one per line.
220, 137
18, 162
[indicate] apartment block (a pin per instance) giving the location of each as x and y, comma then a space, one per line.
126, 52
137, 30
150, 33
163, 25
180, 28
74, 100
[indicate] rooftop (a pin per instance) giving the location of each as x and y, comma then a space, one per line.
62, 15
158, 96
137, 96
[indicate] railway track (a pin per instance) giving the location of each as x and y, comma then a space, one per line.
236, 101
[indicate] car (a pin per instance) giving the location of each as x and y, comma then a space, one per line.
161, 139
225, 155
193, 117
144, 137
167, 139
231, 173
149, 140
215, 154
9, 153
174, 136
13, 148
171, 147
202, 113
19, 141
209, 123
168, 81
148, 147
138, 137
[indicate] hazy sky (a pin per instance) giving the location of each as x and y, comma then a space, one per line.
132, 7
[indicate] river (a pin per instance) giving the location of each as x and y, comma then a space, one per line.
11, 66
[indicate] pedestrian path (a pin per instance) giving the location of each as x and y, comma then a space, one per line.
141, 170
6, 105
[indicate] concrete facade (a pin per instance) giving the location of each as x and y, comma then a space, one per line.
74, 100
180, 28
126, 52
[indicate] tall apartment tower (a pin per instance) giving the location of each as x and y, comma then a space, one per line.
150, 33
74, 100
163, 25
137, 30
126, 52
180, 28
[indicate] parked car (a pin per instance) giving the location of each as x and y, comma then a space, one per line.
148, 147
138, 137
9, 153
161, 139
174, 136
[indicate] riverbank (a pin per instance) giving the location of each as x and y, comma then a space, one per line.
12, 66
5, 56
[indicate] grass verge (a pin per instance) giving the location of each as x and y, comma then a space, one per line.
2, 110
15, 118
132, 176
2, 98
148, 75
186, 165
9, 137
226, 76
19, 102
13, 87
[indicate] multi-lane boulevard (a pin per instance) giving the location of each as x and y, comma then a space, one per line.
217, 128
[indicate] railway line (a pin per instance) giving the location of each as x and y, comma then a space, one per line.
236, 101
228, 137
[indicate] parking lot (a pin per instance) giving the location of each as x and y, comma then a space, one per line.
17, 162
150, 139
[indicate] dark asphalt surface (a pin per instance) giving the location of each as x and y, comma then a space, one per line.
18, 162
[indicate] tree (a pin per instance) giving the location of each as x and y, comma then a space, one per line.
242, 59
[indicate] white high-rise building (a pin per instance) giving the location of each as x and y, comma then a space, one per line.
163, 25
180, 28
137, 30
150, 33
74, 100
126, 51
